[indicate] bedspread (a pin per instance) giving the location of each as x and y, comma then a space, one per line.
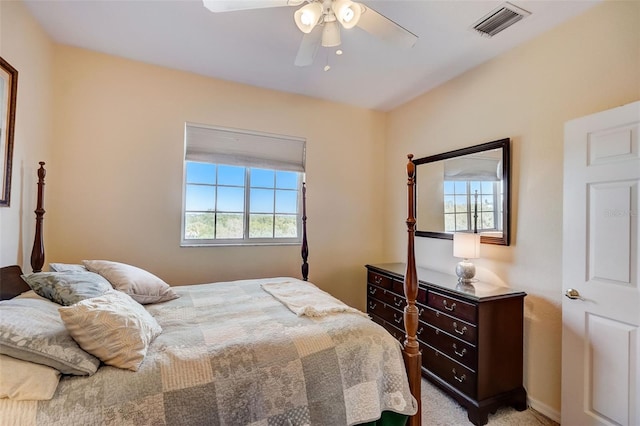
231, 354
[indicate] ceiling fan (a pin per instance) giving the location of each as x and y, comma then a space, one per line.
320, 21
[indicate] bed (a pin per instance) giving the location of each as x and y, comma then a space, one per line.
272, 351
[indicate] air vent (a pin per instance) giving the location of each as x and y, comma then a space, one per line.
499, 19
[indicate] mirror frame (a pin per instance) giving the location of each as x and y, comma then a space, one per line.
505, 144
9, 94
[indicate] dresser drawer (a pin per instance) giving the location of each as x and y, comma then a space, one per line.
452, 306
455, 374
394, 285
394, 331
454, 326
455, 348
386, 312
385, 282
386, 296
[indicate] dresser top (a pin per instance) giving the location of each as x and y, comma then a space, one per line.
478, 291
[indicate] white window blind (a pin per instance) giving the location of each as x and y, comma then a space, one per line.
244, 148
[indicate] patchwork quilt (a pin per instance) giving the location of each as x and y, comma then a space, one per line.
231, 354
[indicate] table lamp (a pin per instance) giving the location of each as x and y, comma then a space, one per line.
466, 246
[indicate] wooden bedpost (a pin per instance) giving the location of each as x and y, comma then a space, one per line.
304, 251
411, 351
37, 253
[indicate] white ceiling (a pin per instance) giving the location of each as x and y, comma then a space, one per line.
258, 47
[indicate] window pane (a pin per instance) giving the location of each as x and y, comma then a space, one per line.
449, 222
449, 204
261, 226
487, 187
230, 199
287, 180
200, 198
229, 225
231, 175
487, 203
475, 186
262, 178
461, 203
487, 221
199, 226
448, 187
286, 226
460, 187
201, 172
286, 201
261, 201
461, 222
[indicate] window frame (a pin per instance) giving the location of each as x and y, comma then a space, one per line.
246, 214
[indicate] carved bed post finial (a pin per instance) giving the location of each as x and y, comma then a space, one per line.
304, 251
411, 351
37, 253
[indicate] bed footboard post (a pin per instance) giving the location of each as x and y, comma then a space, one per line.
411, 350
37, 253
304, 251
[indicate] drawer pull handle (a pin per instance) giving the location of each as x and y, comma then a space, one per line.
420, 331
397, 319
373, 290
461, 331
372, 305
461, 378
461, 353
397, 301
377, 279
420, 312
447, 307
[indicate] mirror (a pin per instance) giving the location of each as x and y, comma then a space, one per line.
463, 190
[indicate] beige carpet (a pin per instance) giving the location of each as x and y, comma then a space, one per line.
438, 409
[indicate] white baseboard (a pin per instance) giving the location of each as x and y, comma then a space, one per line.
544, 409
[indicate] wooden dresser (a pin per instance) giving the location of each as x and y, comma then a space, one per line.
471, 338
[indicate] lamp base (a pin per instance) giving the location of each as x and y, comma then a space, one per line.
465, 271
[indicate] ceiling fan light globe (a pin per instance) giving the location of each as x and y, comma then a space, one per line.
331, 34
307, 17
347, 12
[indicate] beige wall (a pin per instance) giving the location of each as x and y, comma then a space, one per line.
115, 179
27, 48
590, 64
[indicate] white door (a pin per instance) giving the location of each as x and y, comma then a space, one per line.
601, 264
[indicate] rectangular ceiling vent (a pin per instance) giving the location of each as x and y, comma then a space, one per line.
499, 19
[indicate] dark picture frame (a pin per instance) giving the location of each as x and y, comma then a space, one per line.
8, 96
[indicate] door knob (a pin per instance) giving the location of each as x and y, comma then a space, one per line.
572, 293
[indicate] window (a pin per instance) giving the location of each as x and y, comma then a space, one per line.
241, 187
464, 200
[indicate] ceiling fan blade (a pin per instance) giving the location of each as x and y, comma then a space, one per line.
233, 5
384, 28
309, 47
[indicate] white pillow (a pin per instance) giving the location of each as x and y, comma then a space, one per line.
143, 286
112, 327
23, 380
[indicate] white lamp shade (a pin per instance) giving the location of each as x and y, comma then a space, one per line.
308, 16
466, 245
331, 34
347, 12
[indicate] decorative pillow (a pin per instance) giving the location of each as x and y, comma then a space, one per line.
22, 380
66, 267
32, 330
67, 288
113, 327
142, 286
